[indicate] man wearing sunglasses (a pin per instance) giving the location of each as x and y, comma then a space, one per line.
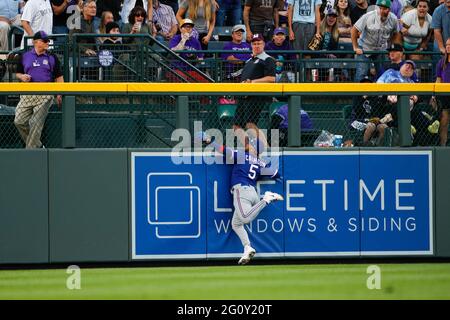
36, 65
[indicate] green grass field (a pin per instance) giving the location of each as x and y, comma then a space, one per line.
330, 281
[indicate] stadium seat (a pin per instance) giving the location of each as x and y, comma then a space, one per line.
222, 33
274, 107
216, 45
226, 111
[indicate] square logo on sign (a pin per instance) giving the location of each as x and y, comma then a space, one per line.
174, 209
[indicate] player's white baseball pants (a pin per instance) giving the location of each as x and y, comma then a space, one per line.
247, 206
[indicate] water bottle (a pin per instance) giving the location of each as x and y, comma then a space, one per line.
331, 74
337, 142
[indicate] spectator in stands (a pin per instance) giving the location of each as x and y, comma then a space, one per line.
416, 29
137, 25
303, 21
37, 15
397, 8
261, 17
9, 16
443, 75
403, 75
441, 25
113, 6
229, 13
396, 53
186, 41
283, 15
329, 32
259, 69
129, 5
373, 32
171, 3
365, 119
344, 21
112, 29
114, 54
393, 76
236, 60
62, 10
165, 24
284, 61
89, 10
358, 9
203, 14
36, 65
106, 18
280, 121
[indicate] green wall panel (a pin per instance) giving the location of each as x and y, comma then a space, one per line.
442, 196
89, 205
23, 206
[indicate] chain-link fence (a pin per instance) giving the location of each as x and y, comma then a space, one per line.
107, 121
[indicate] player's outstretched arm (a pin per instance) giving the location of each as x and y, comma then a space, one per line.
203, 137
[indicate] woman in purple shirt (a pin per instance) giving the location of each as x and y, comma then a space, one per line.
443, 76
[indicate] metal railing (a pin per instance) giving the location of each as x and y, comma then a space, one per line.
113, 115
144, 59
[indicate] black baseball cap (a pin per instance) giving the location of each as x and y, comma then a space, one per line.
395, 47
111, 25
41, 35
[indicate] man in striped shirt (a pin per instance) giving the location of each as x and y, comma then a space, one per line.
165, 24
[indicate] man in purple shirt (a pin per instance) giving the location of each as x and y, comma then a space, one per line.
443, 76
241, 53
36, 65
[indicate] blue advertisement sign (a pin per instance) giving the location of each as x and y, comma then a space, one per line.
396, 203
168, 207
318, 204
346, 203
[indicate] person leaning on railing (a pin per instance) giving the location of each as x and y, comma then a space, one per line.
373, 32
416, 29
36, 65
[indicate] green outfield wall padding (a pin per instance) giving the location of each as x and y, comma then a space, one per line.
89, 205
442, 196
23, 206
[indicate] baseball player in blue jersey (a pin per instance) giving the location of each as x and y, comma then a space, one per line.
247, 167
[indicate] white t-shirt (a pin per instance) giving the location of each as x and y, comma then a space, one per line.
416, 33
304, 10
40, 16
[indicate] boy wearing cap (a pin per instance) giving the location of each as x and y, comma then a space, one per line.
395, 52
280, 43
36, 65
373, 32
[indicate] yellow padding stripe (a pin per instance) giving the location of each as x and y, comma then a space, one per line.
221, 87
